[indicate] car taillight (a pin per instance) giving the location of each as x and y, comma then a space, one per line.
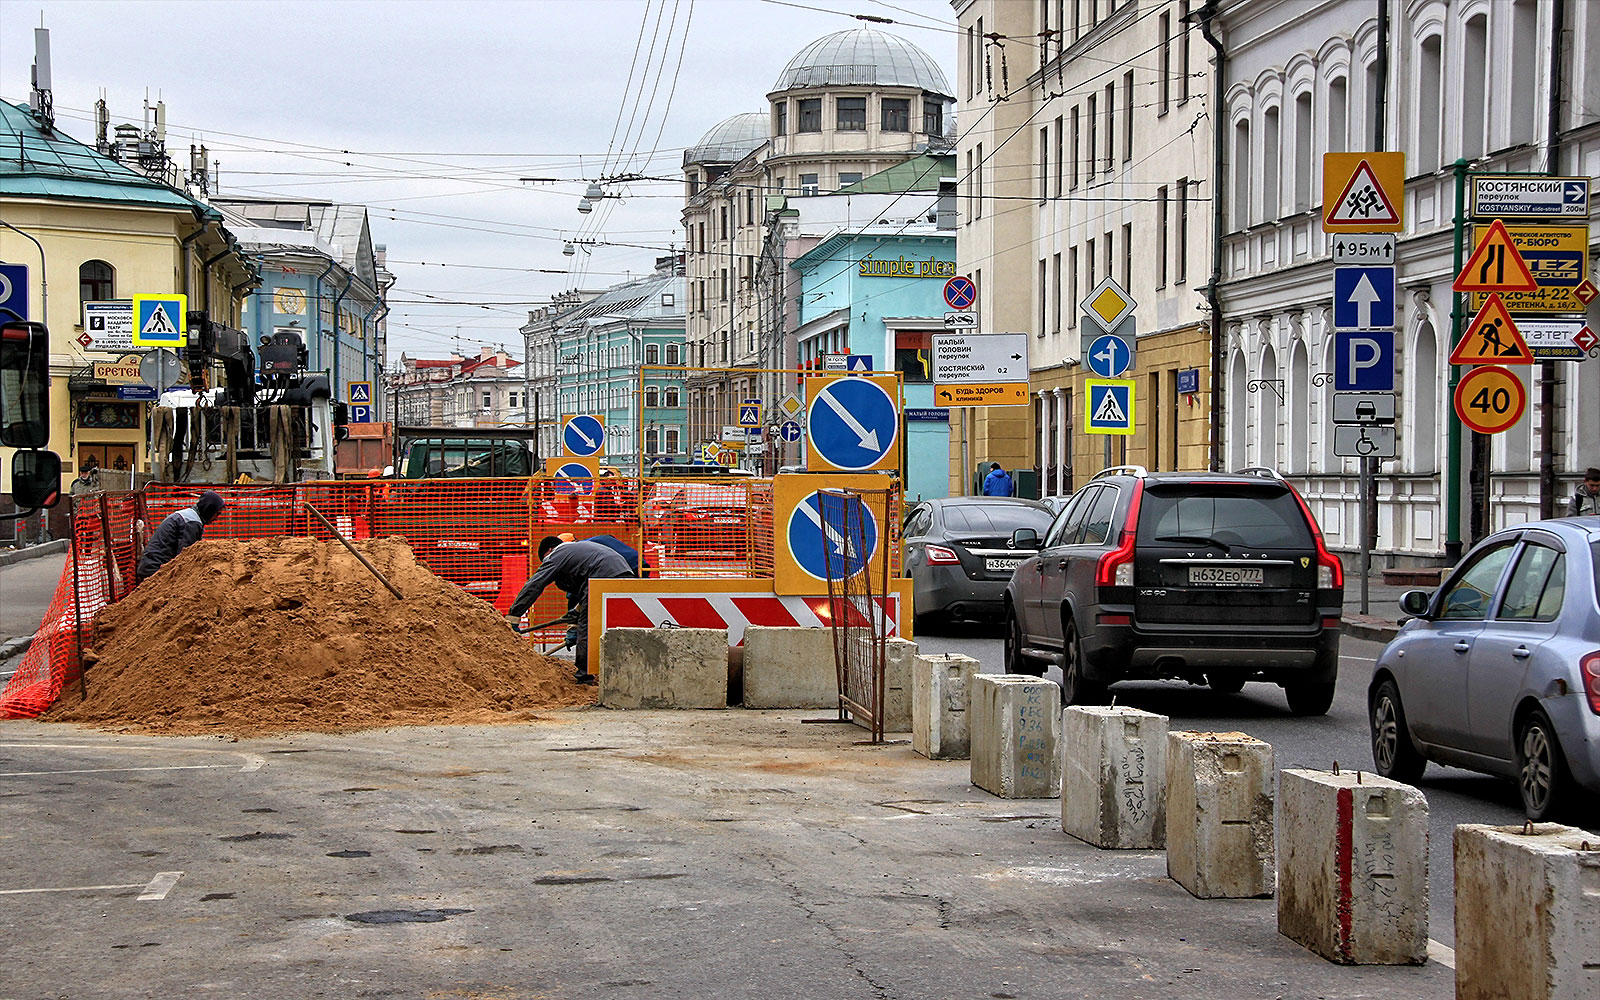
1589, 667
1115, 568
938, 555
1330, 571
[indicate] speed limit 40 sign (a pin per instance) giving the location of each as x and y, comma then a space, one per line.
1490, 399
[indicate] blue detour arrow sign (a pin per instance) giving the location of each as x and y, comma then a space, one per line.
853, 424
583, 436
809, 533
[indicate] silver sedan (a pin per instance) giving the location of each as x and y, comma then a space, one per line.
1499, 670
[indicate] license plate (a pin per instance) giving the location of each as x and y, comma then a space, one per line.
1226, 576
1001, 565
725, 520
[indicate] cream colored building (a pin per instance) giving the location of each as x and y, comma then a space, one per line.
1084, 153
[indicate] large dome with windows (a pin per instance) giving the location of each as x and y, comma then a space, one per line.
862, 57
729, 140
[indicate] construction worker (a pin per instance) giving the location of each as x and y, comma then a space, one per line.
180, 530
570, 566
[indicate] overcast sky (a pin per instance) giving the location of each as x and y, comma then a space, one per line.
429, 113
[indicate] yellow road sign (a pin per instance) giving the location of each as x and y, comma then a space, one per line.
981, 394
1363, 192
1490, 399
1492, 338
1558, 259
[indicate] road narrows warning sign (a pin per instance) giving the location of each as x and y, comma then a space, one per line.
1492, 338
1495, 266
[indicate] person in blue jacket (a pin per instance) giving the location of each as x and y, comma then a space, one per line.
998, 482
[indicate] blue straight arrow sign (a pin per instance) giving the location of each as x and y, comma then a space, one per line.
1363, 298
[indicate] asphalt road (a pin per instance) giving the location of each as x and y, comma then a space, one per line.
1454, 796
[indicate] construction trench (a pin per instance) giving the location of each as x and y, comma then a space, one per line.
286, 781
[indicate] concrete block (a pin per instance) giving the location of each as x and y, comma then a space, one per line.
1527, 913
1219, 814
789, 668
898, 657
1113, 776
1015, 726
664, 668
1353, 867
940, 686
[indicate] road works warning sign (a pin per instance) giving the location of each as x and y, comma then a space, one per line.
1363, 192
1492, 338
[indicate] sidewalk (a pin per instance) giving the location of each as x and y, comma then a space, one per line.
1381, 622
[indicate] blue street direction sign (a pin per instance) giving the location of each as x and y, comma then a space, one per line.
1363, 298
158, 320
858, 362
361, 413
808, 534
137, 393
1188, 381
853, 424
1109, 356
583, 435
14, 289
360, 392
1108, 406
790, 431
750, 413
960, 293
574, 477
1363, 362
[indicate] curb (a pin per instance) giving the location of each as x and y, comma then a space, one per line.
1372, 629
11, 647
35, 551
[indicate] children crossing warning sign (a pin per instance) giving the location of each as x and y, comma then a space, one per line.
1363, 192
1495, 266
1492, 338
1108, 406
158, 320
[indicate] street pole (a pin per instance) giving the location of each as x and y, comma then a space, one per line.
1369, 466
1452, 480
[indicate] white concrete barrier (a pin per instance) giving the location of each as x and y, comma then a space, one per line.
1219, 814
1527, 913
664, 668
789, 667
1113, 776
941, 683
1353, 867
1015, 726
899, 655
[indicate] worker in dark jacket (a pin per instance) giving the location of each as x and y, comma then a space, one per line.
180, 530
570, 566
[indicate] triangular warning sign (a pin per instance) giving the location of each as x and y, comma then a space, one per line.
1363, 202
1495, 266
159, 324
1109, 412
1492, 338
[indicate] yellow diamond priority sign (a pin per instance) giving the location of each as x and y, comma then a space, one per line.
1108, 305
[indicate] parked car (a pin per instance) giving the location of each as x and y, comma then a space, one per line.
1499, 670
1205, 577
959, 554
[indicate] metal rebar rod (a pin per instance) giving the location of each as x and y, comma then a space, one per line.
353, 551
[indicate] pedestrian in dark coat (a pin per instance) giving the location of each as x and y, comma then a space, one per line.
180, 530
570, 566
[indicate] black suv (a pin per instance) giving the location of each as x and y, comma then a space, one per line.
1205, 577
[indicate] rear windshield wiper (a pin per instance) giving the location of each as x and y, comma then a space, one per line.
1197, 539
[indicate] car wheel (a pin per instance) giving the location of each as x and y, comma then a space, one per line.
1309, 697
1075, 688
1016, 663
1230, 682
1541, 769
1393, 753
924, 624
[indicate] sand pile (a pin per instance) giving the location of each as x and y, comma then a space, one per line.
292, 634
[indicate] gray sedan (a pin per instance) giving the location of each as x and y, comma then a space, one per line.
1500, 669
959, 555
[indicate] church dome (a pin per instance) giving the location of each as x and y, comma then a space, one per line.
863, 57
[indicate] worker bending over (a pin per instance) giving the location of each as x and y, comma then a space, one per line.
570, 566
180, 530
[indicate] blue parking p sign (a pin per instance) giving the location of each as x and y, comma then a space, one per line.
14, 290
1363, 362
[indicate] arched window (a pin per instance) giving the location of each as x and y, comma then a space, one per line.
1474, 106
1302, 152
1270, 164
652, 354
672, 354
1238, 413
652, 396
1423, 406
1430, 117
1338, 114
672, 395
96, 281
1267, 408
1241, 175
1331, 463
1523, 113
1299, 410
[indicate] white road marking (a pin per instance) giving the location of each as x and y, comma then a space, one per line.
160, 886
74, 888
252, 762
1442, 954
104, 770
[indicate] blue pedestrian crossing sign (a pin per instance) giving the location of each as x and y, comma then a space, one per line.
790, 431
854, 424
584, 435
159, 320
808, 534
1109, 356
1108, 406
750, 413
858, 362
360, 392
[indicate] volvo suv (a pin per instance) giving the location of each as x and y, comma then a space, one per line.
1211, 578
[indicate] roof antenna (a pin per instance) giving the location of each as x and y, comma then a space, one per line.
41, 101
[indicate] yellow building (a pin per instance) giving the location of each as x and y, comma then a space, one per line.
93, 230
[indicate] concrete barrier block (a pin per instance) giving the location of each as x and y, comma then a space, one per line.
1113, 776
1015, 726
1219, 814
899, 655
940, 686
1527, 913
664, 668
1353, 867
789, 668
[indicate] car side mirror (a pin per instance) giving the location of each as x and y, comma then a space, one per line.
1024, 538
35, 479
1415, 603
